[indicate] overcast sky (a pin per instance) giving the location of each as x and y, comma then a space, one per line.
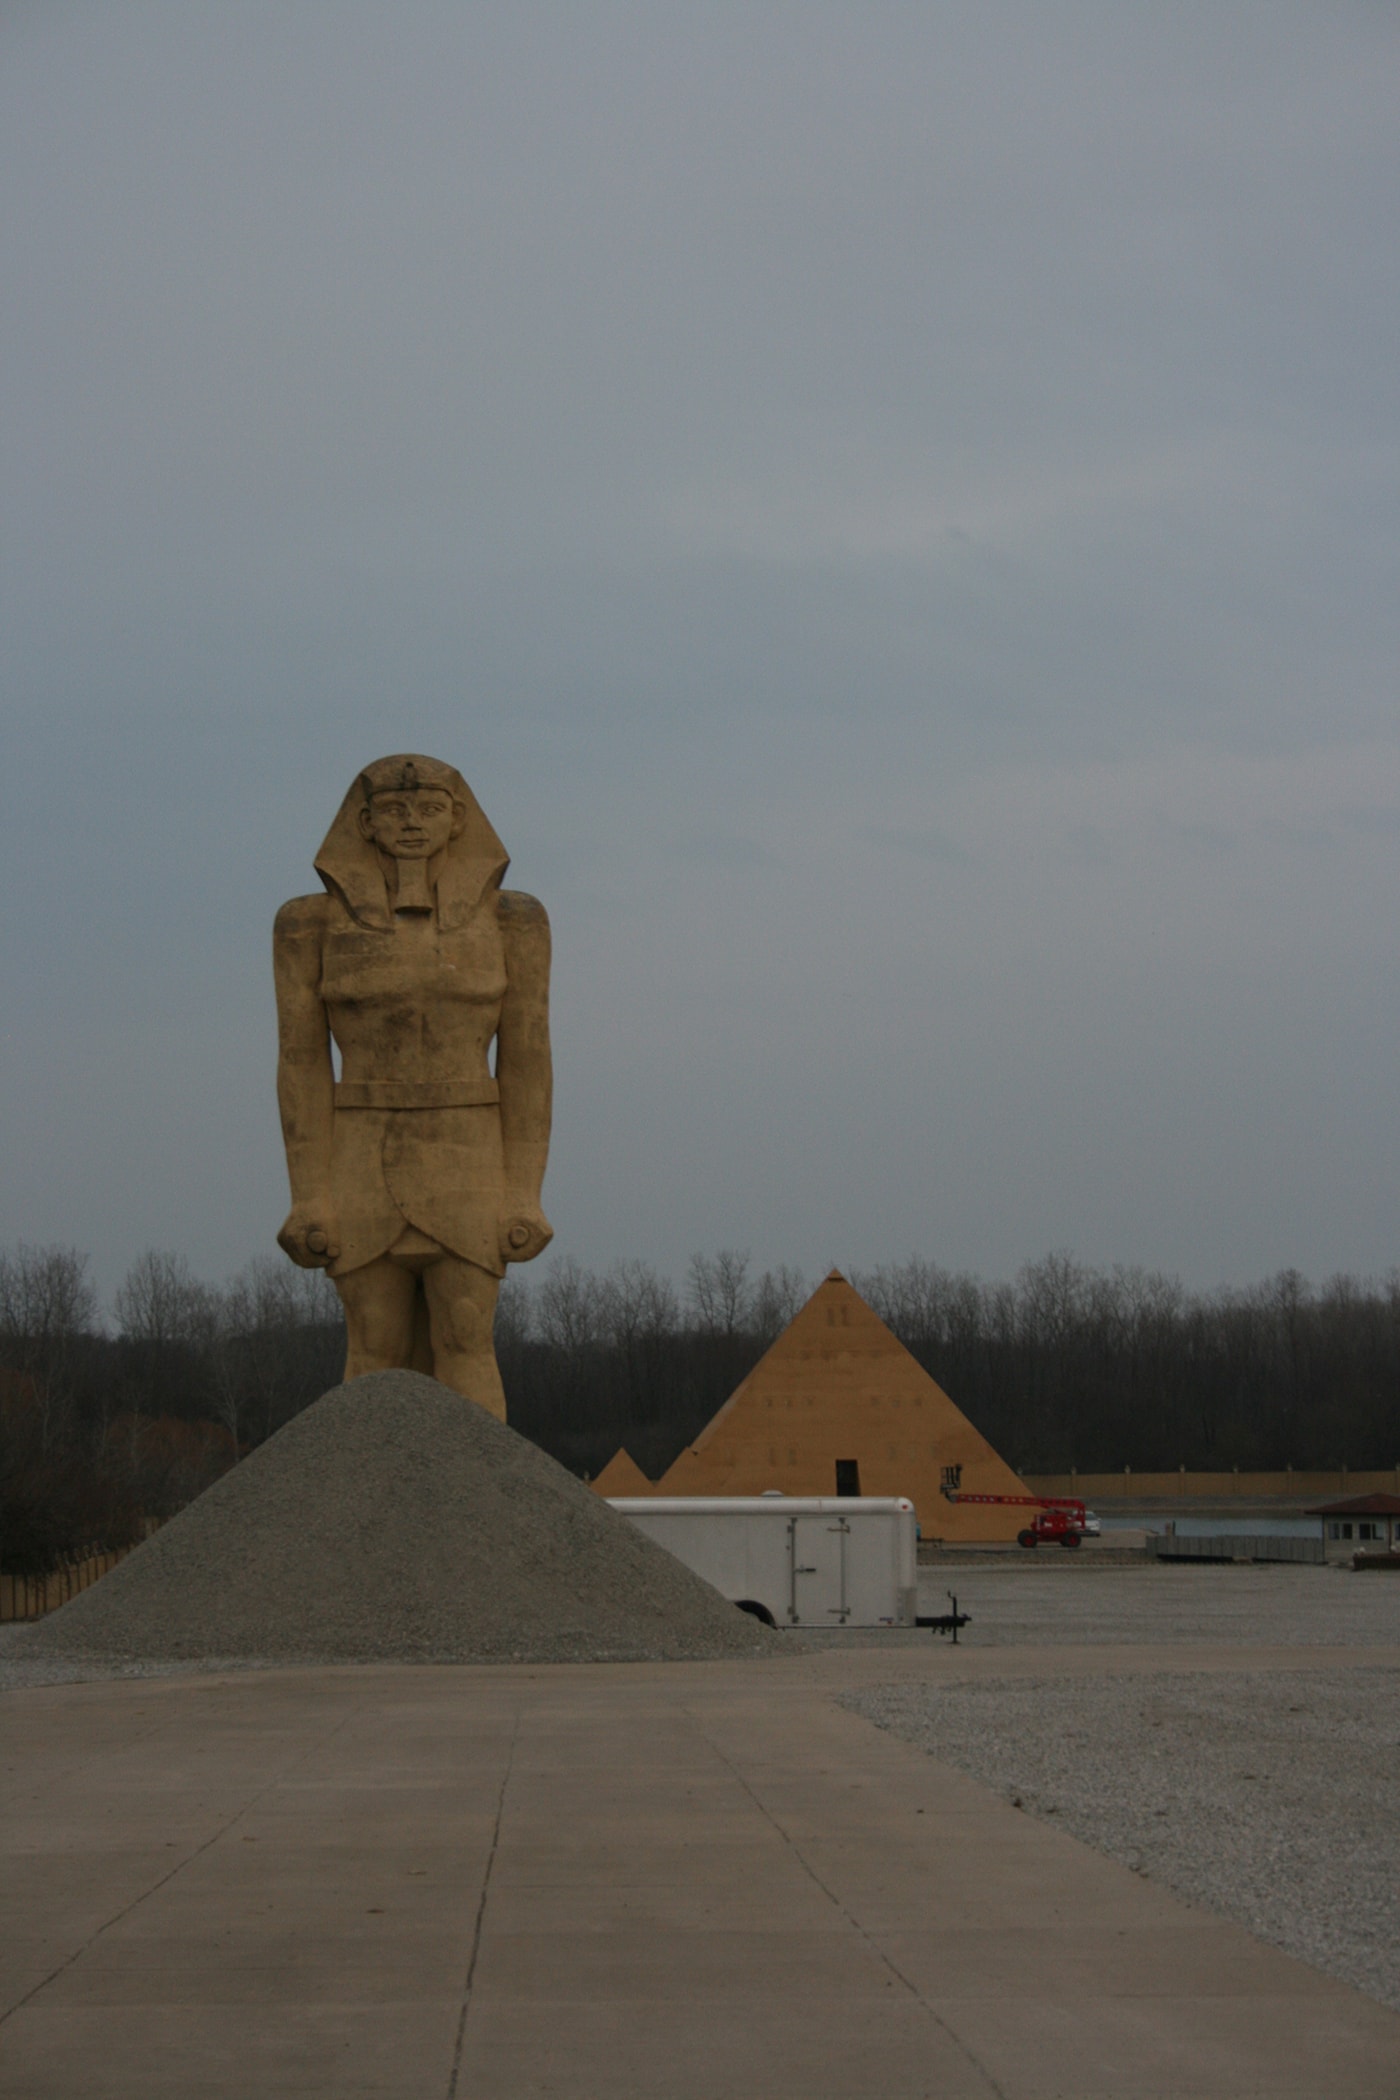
893, 509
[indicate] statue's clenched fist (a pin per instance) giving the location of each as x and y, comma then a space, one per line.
525, 1233
308, 1237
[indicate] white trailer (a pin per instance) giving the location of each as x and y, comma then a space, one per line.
793, 1560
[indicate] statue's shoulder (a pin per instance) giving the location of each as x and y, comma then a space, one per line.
300, 917
518, 913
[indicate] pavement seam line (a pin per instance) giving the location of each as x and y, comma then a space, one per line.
472, 1958
831, 1896
179, 1868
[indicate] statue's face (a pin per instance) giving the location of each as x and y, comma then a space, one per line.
412, 824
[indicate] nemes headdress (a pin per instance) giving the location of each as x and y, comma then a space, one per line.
349, 864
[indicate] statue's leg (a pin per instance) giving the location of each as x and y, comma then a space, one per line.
462, 1313
378, 1301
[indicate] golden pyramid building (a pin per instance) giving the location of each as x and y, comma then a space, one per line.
839, 1405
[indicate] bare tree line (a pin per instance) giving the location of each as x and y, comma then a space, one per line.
100, 1433
1066, 1365
1075, 1366
591, 1360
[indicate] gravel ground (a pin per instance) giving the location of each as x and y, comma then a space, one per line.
391, 1522
1147, 1605
1271, 1797
1259, 1605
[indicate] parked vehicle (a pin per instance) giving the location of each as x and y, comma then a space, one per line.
1057, 1517
793, 1560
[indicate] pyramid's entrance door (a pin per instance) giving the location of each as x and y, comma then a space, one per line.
817, 1556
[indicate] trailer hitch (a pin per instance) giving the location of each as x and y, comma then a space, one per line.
948, 1621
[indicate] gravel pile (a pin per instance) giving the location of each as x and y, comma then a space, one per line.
395, 1522
1270, 1797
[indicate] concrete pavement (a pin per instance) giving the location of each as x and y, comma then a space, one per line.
673, 1880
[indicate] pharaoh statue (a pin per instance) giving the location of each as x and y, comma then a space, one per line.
416, 1169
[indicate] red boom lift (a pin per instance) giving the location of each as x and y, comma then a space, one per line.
1057, 1516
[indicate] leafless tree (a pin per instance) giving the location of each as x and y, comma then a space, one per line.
568, 1311
160, 1302
515, 1315
780, 1294
1052, 1294
46, 1305
719, 1292
636, 1305
275, 1340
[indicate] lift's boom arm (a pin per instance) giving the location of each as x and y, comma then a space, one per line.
1065, 1502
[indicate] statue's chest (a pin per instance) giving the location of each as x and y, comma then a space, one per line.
417, 965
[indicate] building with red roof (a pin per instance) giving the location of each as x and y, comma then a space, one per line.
1360, 1520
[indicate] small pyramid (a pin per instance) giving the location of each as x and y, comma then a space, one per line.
622, 1476
838, 1386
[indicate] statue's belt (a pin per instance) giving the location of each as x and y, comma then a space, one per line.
416, 1093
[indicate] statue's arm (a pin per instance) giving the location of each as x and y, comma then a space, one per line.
305, 1079
524, 1073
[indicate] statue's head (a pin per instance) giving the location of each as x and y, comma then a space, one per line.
411, 809
402, 809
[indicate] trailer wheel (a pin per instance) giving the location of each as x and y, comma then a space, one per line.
1070, 1538
1027, 1538
756, 1610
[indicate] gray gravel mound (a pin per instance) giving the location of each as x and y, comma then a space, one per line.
394, 1521
1268, 1796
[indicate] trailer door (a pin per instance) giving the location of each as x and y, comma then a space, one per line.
817, 1581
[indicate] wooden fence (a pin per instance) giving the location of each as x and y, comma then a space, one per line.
1184, 1486
30, 1596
